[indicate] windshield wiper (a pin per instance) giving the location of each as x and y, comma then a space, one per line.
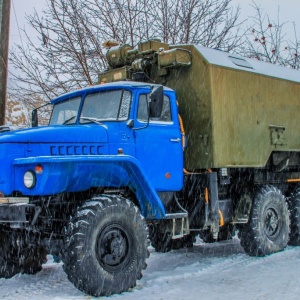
94, 120
68, 120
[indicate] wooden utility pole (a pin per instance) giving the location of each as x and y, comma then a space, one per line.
4, 38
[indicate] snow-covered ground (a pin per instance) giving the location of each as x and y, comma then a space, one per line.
207, 271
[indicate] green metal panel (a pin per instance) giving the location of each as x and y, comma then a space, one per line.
151, 46
233, 117
249, 112
174, 58
192, 85
114, 75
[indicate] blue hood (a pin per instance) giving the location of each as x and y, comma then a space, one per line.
57, 134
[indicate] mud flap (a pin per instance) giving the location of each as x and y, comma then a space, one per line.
213, 203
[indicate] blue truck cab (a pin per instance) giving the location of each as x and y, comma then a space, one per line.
99, 136
107, 164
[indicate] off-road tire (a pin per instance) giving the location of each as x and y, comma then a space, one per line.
161, 240
105, 246
225, 234
267, 230
13, 260
294, 207
32, 260
8, 269
185, 242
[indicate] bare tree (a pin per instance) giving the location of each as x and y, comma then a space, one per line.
266, 41
69, 52
211, 23
208, 22
64, 58
126, 21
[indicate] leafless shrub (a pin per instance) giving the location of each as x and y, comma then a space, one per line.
266, 40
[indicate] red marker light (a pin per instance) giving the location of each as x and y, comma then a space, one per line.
38, 169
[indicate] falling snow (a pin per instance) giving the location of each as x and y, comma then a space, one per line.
207, 271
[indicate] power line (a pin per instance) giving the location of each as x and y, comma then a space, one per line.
17, 23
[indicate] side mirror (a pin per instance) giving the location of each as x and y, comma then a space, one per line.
130, 123
156, 101
34, 118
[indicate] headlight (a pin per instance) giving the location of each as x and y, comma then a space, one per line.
29, 179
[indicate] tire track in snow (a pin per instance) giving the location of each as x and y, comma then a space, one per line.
203, 272
224, 270
50, 283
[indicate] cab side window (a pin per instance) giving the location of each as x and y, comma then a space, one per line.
143, 110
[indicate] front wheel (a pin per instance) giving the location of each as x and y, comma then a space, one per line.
267, 230
105, 246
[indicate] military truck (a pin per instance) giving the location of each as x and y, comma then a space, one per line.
175, 142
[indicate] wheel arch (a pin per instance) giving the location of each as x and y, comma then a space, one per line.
80, 173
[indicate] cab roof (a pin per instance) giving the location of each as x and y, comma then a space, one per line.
111, 85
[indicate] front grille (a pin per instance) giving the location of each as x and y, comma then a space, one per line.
75, 150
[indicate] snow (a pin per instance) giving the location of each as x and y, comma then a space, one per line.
220, 58
207, 271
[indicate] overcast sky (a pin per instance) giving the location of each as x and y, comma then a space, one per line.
289, 12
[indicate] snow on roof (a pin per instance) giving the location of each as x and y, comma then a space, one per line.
233, 61
99, 87
129, 84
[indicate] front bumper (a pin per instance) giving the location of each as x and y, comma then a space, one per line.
14, 211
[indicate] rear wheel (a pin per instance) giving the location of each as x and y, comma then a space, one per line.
294, 206
225, 234
185, 242
161, 239
105, 246
267, 230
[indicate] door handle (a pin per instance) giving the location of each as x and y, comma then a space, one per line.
175, 140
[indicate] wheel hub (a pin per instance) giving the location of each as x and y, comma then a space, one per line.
112, 247
271, 222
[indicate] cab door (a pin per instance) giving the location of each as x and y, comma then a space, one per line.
158, 143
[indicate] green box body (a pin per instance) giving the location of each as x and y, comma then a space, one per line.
236, 111
235, 116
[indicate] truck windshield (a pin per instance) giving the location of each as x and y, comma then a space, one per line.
65, 112
106, 106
